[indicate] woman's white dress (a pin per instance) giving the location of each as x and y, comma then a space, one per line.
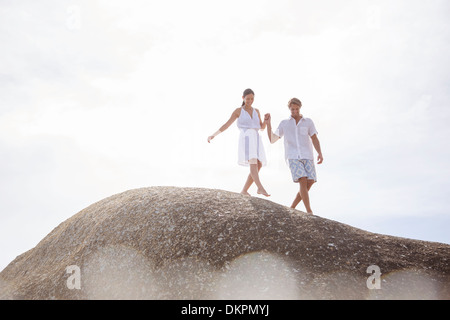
250, 142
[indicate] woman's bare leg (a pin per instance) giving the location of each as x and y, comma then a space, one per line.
255, 176
249, 181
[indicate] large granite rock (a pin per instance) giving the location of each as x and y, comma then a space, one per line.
194, 243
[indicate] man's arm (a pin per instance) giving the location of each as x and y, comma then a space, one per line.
316, 145
272, 137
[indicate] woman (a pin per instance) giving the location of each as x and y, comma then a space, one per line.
251, 149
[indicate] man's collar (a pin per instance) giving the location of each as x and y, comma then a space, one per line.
301, 117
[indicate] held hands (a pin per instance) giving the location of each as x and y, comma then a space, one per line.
267, 118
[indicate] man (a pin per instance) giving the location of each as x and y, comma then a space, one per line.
300, 135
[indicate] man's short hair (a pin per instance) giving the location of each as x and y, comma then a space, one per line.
294, 101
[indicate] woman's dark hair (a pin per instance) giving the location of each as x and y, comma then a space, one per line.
247, 92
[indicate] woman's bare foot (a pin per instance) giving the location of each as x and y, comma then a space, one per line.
245, 193
310, 213
263, 192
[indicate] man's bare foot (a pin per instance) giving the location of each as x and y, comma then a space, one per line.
310, 213
245, 193
263, 192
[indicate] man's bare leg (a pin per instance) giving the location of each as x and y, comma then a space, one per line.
304, 194
298, 197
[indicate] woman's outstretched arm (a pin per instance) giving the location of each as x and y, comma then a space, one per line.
236, 113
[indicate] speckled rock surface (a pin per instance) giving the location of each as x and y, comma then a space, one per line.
195, 243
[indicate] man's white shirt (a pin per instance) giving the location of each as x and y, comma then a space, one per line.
297, 138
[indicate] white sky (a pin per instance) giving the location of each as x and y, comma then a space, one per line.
99, 97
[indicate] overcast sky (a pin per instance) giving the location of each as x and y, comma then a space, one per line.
99, 97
